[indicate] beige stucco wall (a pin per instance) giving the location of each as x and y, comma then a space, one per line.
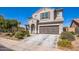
33, 21
42, 11
71, 29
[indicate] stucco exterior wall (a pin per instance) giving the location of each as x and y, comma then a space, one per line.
42, 11
36, 16
71, 29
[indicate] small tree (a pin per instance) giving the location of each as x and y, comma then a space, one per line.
67, 35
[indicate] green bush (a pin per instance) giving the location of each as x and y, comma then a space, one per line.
28, 35
19, 35
64, 43
26, 32
4, 30
67, 35
73, 33
12, 34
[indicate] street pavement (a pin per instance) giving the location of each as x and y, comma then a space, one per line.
3, 48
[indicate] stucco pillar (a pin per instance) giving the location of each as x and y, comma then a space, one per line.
35, 29
30, 28
37, 26
60, 28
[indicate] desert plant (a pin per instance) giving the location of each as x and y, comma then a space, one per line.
19, 35
67, 35
65, 43
9, 34
73, 33
27, 33
77, 35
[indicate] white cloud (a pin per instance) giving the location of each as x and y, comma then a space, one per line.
22, 26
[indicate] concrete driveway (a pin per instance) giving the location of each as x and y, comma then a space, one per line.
41, 42
36, 42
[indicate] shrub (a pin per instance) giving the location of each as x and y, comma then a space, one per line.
77, 35
67, 35
10, 34
65, 43
19, 35
24, 32
4, 30
73, 33
27, 33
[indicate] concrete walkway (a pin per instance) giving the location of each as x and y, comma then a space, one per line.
33, 43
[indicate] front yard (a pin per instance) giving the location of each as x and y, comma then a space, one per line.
68, 41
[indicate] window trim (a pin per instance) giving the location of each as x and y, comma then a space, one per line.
44, 16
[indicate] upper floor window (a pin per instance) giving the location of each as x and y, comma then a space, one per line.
35, 15
45, 15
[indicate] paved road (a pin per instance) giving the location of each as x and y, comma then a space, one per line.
2, 48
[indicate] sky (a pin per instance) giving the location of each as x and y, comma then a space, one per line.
22, 13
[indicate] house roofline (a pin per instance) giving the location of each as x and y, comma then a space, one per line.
75, 22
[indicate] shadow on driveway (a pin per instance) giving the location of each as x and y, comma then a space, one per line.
3, 48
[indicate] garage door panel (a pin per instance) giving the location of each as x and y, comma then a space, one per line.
49, 29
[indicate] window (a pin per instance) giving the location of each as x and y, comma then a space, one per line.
45, 15
42, 16
58, 13
35, 15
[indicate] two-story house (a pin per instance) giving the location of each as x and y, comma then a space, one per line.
46, 21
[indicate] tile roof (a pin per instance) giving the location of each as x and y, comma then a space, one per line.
76, 20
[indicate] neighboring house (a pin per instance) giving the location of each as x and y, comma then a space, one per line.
46, 21
74, 25
69, 29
